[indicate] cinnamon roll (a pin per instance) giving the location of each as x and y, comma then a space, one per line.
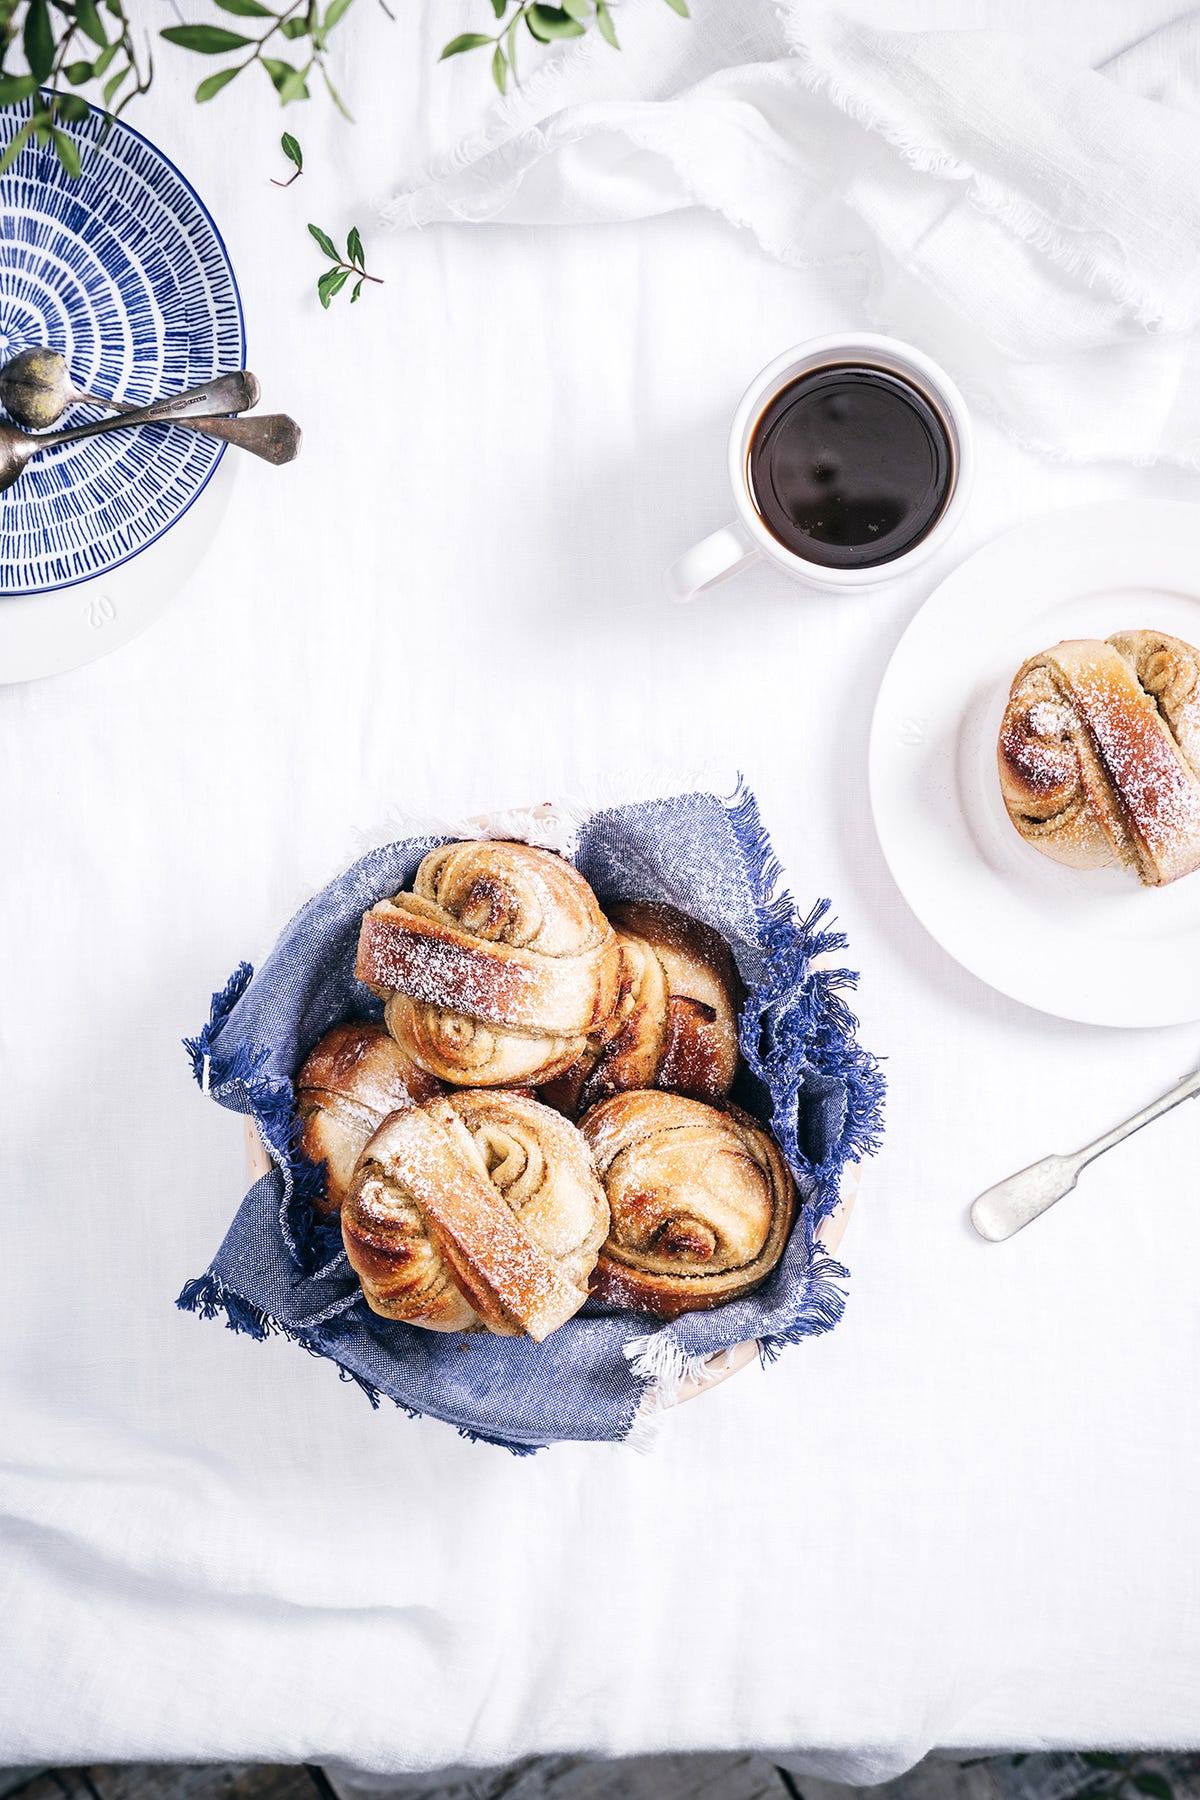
1099, 754
675, 1023
496, 967
701, 1202
349, 1083
478, 1211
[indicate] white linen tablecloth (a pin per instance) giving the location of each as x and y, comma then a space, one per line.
967, 1518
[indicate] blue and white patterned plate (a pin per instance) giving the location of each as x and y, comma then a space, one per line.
123, 271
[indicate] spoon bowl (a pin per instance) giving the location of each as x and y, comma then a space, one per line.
36, 389
212, 399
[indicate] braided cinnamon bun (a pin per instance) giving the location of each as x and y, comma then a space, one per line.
675, 1023
479, 1211
701, 1201
1099, 754
349, 1083
495, 967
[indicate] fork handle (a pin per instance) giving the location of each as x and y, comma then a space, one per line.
1186, 1089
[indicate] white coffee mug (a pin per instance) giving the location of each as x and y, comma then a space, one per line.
748, 539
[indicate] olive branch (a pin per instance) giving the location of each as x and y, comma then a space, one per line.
92, 43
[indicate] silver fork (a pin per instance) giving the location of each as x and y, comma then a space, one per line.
1013, 1202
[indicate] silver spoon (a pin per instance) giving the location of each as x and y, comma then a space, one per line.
224, 394
36, 389
1012, 1203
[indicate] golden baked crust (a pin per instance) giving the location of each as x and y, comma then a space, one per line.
478, 1211
495, 967
675, 1023
1099, 754
701, 1202
356, 1075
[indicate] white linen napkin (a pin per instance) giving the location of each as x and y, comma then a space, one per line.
1035, 227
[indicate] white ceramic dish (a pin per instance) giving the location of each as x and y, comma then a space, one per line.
47, 634
1086, 946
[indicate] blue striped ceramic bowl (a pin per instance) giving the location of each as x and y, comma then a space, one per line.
123, 271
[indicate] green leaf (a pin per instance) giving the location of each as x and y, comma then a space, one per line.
499, 8
1101, 1759
510, 45
207, 40
469, 40
68, 153
294, 28
212, 84
72, 107
326, 242
605, 26
679, 6
114, 82
550, 22
332, 282
335, 12
79, 72
90, 23
291, 149
1157, 1786
105, 57
295, 87
16, 87
336, 97
287, 80
358, 287
246, 9
16, 146
500, 69
39, 39
578, 9
354, 248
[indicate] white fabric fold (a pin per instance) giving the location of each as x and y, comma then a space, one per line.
1035, 226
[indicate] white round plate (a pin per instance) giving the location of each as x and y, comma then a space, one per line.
1094, 946
47, 634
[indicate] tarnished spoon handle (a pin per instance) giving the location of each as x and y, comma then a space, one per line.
1186, 1089
273, 436
234, 393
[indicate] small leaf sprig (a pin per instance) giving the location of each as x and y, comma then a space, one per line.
545, 24
291, 149
301, 22
342, 268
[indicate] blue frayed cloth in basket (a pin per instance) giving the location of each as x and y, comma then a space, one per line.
281, 1269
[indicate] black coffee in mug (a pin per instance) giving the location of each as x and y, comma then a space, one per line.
850, 466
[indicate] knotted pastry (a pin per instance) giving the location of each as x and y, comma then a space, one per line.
675, 1024
496, 967
1099, 754
350, 1082
701, 1202
479, 1211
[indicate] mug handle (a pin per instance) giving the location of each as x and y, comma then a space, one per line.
712, 560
